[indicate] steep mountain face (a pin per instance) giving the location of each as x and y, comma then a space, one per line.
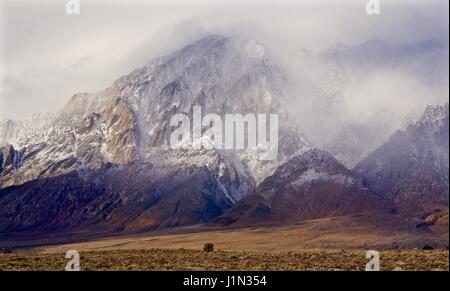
311, 185
411, 169
222, 75
75, 142
9, 158
105, 158
128, 120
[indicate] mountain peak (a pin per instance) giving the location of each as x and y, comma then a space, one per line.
222, 75
434, 113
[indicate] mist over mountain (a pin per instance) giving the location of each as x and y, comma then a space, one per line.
103, 164
131, 118
407, 175
122, 133
359, 95
40, 57
411, 168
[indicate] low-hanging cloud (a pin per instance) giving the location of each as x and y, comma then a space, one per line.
54, 55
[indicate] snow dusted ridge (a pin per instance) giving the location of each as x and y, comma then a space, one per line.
314, 176
130, 120
24, 132
315, 166
434, 115
412, 167
311, 185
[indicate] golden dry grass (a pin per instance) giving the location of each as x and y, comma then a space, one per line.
322, 234
325, 244
171, 259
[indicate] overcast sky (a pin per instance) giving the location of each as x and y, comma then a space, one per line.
47, 56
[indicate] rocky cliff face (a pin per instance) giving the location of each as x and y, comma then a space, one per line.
76, 142
9, 158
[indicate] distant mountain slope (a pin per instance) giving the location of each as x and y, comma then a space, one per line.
411, 169
311, 185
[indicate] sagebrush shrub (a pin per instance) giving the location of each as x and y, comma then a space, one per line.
208, 247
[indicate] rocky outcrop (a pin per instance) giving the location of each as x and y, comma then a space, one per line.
9, 158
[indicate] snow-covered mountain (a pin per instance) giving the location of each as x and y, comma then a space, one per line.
104, 163
164, 191
411, 168
309, 186
130, 119
122, 134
